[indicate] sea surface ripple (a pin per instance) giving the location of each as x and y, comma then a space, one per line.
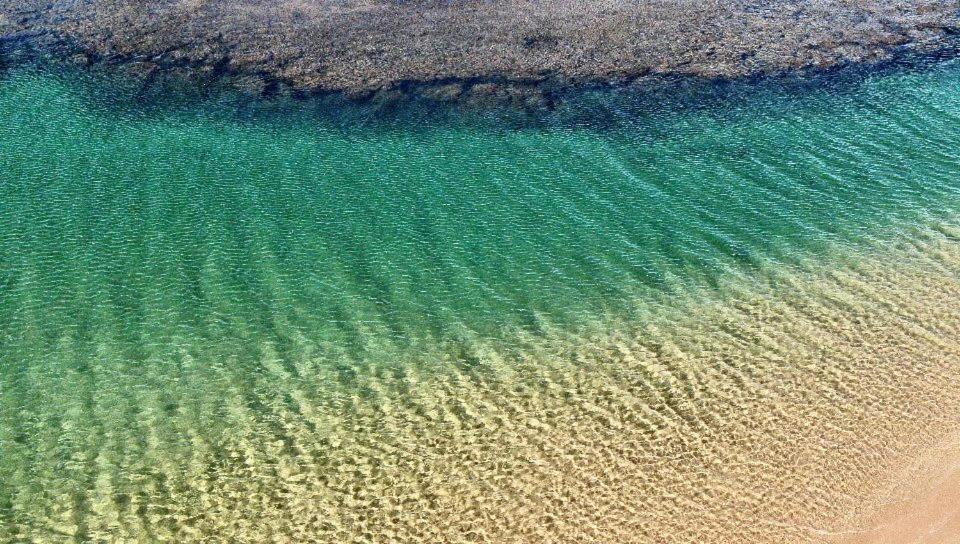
716, 319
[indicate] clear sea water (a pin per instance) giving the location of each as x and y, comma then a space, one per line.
189, 287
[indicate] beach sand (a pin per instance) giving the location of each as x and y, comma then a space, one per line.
921, 503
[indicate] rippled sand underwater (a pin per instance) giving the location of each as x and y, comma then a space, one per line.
717, 323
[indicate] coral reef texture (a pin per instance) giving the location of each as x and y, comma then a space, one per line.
449, 49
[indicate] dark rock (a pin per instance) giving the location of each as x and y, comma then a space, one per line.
443, 93
518, 51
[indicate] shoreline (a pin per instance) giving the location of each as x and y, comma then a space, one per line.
920, 502
528, 56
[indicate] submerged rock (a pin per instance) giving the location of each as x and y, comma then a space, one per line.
508, 50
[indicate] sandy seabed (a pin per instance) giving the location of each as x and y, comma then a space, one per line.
791, 408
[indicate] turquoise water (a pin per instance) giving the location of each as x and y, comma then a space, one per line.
161, 266
446, 230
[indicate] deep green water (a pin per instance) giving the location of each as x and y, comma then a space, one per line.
139, 246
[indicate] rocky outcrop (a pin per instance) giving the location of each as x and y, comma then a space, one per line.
520, 50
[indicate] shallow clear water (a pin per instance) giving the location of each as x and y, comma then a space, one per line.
170, 219
167, 274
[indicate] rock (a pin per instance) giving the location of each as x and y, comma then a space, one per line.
367, 49
444, 93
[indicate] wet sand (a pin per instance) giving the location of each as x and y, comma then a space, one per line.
921, 504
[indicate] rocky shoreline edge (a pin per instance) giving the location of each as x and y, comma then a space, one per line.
202, 46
